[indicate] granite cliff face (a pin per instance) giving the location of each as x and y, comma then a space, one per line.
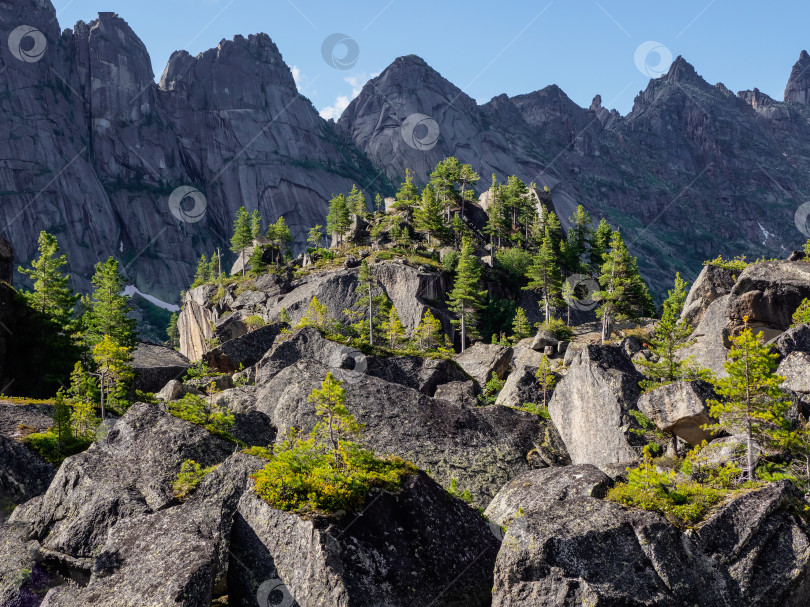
95, 148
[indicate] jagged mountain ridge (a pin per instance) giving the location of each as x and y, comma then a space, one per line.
692, 171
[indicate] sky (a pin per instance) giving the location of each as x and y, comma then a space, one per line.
610, 47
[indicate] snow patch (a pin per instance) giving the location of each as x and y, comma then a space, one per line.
131, 290
765, 233
121, 247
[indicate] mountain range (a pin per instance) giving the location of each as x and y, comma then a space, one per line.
100, 154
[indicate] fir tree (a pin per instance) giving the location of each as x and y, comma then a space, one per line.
83, 395
336, 422
521, 328
443, 179
407, 197
112, 361
315, 236
338, 219
316, 315
242, 235
357, 201
624, 294
108, 309
546, 378
428, 216
257, 264
393, 328
752, 397
61, 419
255, 224
201, 275
172, 331
370, 298
569, 295
496, 225
52, 296
379, 203
280, 238
213, 268
457, 225
467, 177
544, 276
579, 234
599, 244
465, 298
428, 333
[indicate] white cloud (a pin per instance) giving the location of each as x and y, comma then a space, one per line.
342, 102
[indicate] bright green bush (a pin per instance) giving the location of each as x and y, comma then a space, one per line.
558, 327
492, 389
514, 262
190, 475
737, 264
200, 411
802, 313
536, 409
254, 322
46, 445
450, 261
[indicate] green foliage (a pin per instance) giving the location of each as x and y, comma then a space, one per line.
255, 224
802, 314
537, 409
579, 234
115, 375
315, 236
599, 245
492, 389
428, 333
407, 197
428, 217
544, 274
202, 275
280, 238
172, 331
190, 475
356, 201
52, 295
200, 370
546, 379
325, 473
450, 261
47, 446
338, 219
242, 233
498, 317
316, 316
107, 309
61, 419
737, 264
83, 395
466, 299
393, 329
521, 327
254, 322
455, 492
656, 439
558, 328
257, 263
200, 411
514, 262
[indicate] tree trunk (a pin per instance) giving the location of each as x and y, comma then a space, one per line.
605, 326
370, 318
463, 330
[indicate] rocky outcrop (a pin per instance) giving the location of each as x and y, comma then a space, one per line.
13, 416
754, 551
522, 387
795, 339
243, 351
680, 408
155, 366
481, 447
423, 374
768, 294
532, 490
709, 350
798, 86
23, 475
130, 472
590, 406
417, 546
796, 371
712, 283
481, 360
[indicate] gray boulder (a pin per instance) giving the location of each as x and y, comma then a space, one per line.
680, 408
481, 447
544, 339
590, 406
480, 360
461, 393
129, 472
754, 551
36, 416
24, 578
418, 546
712, 283
193, 538
155, 365
423, 374
171, 391
246, 350
522, 387
709, 349
795, 339
768, 294
23, 475
531, 490
796, 371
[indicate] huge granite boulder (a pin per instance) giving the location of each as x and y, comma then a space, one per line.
481, 360
23, 475
176, 556
155, 366
24, 577
531, 491
417, 546
590, 406
423, 374
481, 447
522, 386
795, 339
712, 283
129, 472
768, 294
681, 408
709, 348
754, 551
796, 371
243, 351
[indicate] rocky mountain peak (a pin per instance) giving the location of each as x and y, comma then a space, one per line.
798, 86
683, 72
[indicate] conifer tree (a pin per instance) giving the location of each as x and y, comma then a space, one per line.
172, 331
108, 309
255, 224
467, 177
553, 230
213, 268
495, 227
443, 179
457, 225
370, 299
315, 236
599, 244
624, 294
83, 395
357, 201
544, 275
752, 397
465, 298
316, 315
521, 328
61, 419
336, 422
338, 219
579, 234
407, 197
257, 264
379, 203
242, 235
112, 362
545, 377
428, 216
202, 273
568, 294
671, 335
280, 238
428, 333
393, 328
52, 296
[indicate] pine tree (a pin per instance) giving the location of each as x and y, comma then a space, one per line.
467, 177
568, 294
624, 294
393, 328
599, 244
108, 309
338, 219
255, 224
752, 397
428, 216
379, 203
316, 315
407, 197
173, 332
61, 419
201, 275
457, 225
83, 395
465, 298
52, 296
428, 333
553, 230
496, 224
257, 264
521, 328
370, 299
213, 268
546, 378
280, 238
112, 361
579, 234
357, 201
443, 179
242, 236
336, 422
544, 275
671, 335
315, 236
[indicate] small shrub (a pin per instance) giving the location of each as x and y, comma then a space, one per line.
190, 475
254, 322
492, 389
46, 445
560, 330
199, 411
450, 261
536, 409
738, 264
462, 495
514, 262
802, 314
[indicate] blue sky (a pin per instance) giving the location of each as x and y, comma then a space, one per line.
486, 49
